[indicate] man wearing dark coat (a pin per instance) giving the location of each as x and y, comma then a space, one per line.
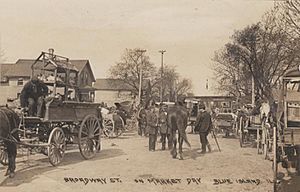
164, 130
203, 125
152, 126
32, 96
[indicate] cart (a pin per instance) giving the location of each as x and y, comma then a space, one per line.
66, 119
250, 130
286, 139
193, 110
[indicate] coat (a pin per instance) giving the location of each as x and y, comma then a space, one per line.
152, 123
203, 122
163, 123
32, 90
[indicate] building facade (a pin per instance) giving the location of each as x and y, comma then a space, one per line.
14, 76
110, 91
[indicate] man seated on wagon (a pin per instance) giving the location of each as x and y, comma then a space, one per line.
32, 96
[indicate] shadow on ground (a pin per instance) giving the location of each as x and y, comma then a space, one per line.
38, 167
292, 184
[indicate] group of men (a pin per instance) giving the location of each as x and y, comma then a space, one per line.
154, 120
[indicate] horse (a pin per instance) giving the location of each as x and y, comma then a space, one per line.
177, 119
9, 122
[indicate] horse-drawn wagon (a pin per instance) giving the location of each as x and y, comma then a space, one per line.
250, 128
66, 118
286, 139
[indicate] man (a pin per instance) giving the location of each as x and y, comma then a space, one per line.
142, 121
121, 112
32, 96
152, 125
203, 125
164, 130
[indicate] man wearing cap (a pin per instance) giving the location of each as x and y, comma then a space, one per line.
164, 130
203, 125
32, 96
152, 125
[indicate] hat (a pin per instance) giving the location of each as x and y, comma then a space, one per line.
201, 106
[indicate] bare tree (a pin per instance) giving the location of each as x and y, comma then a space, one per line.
290, 12
263, 49
128, 69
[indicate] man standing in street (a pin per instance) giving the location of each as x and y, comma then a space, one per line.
203, 125
142, 121
164, 130
152, 125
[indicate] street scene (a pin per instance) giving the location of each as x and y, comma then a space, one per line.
150, 96
125, 164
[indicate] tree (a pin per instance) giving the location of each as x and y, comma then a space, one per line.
128, 70
263, 50
290, 12
173, 85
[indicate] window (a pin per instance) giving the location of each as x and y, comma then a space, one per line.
86, 78
20, 81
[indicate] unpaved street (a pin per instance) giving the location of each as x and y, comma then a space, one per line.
125, 164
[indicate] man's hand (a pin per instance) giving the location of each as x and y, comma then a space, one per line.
24, 109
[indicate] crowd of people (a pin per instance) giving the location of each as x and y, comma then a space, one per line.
152, 122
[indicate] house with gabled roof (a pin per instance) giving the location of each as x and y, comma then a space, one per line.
110, 91
13, 77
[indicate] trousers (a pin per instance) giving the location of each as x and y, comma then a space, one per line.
152, 141
203, 141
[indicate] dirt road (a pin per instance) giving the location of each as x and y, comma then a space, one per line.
125, 164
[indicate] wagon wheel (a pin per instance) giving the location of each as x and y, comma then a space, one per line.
241, 132
56, 146
89, 136
3, 156
108, 127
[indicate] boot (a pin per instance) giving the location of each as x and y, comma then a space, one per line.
163, 147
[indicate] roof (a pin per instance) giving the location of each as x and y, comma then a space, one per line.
4, 68
294, 72
22, 68
112, 84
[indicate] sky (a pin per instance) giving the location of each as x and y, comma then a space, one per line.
100, 30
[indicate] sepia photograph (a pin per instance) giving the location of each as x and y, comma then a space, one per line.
158, 96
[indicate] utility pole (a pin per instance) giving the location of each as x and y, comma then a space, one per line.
162, 74
141, 51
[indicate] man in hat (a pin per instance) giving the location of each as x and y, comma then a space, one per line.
203, 125
152, 126
122, 112
164, 130
32, 96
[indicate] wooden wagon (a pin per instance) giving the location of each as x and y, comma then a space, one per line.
286, 140
66, 119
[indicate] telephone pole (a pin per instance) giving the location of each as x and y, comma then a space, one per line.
162, 74
141, 51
